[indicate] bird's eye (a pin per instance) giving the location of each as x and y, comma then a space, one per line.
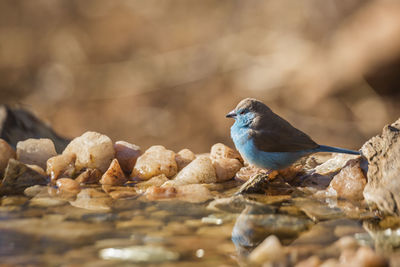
241, 112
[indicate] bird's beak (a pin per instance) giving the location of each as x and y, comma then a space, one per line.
231, 114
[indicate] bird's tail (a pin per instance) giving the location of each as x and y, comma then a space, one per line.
336, 150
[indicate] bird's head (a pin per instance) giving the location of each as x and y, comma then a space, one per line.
247, 110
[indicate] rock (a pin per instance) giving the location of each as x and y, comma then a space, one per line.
14, 200
92, 199
270, 250
334, 164
89, 176
349, 183
35, 190
226, 168
93, 150
68, 186
246, 172
18, 176
184, 157
193, 193
222, 151
114, 175
312, 261
35, 151
37, 169
383, 152
6, 153
364, 256
46, 202
199, 171
119, 192
61, 165
155, 181
140, 254
126, 154
155, 161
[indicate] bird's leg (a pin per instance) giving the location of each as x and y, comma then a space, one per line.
256, 182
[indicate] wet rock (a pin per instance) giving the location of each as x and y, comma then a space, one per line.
119, 192
140, 254
6, 153
383, 152
114, 175
193, 193
199, 171
312, 261
226, 168
68, 186
245, 173
61, 165
37, 169
155, 181
93, 150
250, 229
35, 151
35, 190
45, 202
349, 183
89, 176
266, 184
184, 157
14, 200
270, 250
318, 211
155, 161
92, 199
222, 151
334, 164
364, 256
126, 154
18, 176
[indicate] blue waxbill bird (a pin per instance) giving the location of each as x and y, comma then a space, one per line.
268, 141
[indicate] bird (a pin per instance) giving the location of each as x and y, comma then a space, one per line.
266, 140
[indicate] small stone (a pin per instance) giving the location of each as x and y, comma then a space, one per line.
184, 157
141, 254
6, 153
93, 150
193, 193
155, 161
92, 199
89, 176
349, 183
226, 168
199, 171
68, 185
13, 201
114, 175
346, 242
155, 181
18, 176
364, 256
46, 202
312, 261
35, 151
34, 190
122, 192
37, 169
126, 154
222, 151
63, 164
246, 172
156, 192
334, 164
269, 250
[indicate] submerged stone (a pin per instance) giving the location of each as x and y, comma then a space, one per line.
92, 199
140, 254
270, 250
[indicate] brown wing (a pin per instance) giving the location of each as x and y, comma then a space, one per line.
271, 133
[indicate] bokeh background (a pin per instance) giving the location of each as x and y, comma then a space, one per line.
167, 71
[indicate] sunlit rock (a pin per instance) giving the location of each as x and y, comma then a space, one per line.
226, 168
114, 175
18, 176
222, 151
383, 153
364, 256
68, 186
89, 176
141, 254
61, 165
199, 171
92, 199
270, 250
184, 157
35, 151
312, 261
155, 161
334, 164
93, 150
126, 154
6, 153
35, 190
155, 181
349, 183
118, 192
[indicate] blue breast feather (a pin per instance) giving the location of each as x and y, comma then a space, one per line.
269, 160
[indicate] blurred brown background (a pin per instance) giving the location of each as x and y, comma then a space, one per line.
167, 72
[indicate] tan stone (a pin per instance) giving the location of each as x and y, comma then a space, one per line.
155, 161
6, 152
63, 164
114, 175
226, 168
222, 151
35, 151
126, 154
89, 176
184, 157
